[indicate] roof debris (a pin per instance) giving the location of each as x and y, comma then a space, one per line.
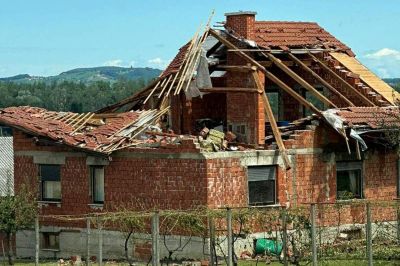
373, 117
103, 133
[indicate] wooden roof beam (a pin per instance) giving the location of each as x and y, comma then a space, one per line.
320, 79
292, 93
240, 53
341, 80
287, 63
229, 89
299, 80
272, 121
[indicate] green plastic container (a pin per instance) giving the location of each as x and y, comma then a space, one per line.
264, 245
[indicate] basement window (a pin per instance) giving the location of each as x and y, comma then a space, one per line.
50, 241
348, 180
262, 185
97, 184
50, 182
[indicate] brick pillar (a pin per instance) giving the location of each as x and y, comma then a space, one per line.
260, 113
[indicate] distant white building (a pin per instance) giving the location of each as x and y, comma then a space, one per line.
6, 166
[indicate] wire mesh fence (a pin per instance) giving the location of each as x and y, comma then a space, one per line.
315, 234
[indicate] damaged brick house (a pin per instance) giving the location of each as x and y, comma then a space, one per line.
258, 113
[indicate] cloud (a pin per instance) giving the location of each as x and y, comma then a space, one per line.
158, 62
384, 52
119, 63
384, 62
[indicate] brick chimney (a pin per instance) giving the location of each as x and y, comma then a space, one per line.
242, 23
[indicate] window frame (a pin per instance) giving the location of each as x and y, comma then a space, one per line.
275, 186
45, 240
42, 183
92, 190
344, 166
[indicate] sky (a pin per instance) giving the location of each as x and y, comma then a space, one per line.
47, 37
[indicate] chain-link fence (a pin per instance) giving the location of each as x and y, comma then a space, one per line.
316, 234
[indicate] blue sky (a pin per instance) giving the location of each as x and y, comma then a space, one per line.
46, 37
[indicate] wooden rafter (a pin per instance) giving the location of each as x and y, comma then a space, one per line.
272, 121
299, 79
229, 89
293, 93
320, 79
237, 68
287, 63
240, 53
341, 80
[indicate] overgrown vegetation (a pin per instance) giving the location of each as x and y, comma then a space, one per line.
67, 95
16, 213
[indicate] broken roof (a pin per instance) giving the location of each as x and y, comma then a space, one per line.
372, 117
102, 133
289, 34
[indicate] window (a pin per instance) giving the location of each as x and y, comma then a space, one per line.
50, 182
5, 131
310, 97
349, 180
274, 101
97, 184
262, 185
50, 241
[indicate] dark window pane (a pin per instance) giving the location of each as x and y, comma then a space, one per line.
348, 184
262, 192
261, 183
50, 179
50, 172
98, 184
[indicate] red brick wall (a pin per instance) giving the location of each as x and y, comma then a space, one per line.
380, 171
227, 183
243, 25
245, 108
147, 182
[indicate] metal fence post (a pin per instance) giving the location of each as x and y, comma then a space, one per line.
230, 236
313, 235
155, 233
100, 231
211, 228
284, 236
88, 241
398, 222
37, 240
369, 235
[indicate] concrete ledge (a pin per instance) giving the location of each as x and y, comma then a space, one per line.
53, 159
92, 160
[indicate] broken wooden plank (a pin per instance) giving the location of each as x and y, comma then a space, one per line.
83, 123
299, 80
152, 91
272, 121
341, 80
320, 79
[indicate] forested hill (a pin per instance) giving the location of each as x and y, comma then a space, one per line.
78, 90
90, 75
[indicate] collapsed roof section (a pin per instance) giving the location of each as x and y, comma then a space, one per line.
287, 35
234, 69
100, 133
371, 117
